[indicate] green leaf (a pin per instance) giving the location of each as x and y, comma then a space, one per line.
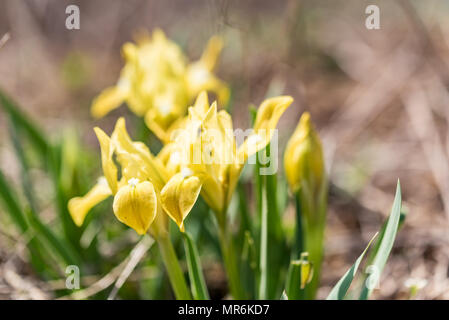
339, 291
376, 246
245, 218
25, 168
12, 204
72, 233
298, 244
60, 247
386, 243
273, 247
249, 265
36, 135
293, 283
37, 252
197, 282
300, 273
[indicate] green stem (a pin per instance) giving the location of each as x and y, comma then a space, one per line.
263, 286
196, 276
314, 245
227, 250
174, 271
313, 210
299, 232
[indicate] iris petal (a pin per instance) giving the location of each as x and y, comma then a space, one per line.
179, 195
79, 207
136, 206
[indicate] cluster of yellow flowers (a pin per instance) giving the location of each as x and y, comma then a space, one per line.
157, 82
151, 185
201, 155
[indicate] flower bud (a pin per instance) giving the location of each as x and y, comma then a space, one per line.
303, 158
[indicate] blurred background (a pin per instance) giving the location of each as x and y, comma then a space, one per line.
379, 99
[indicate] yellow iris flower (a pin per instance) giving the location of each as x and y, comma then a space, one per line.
146, 190
158, 83
205, 146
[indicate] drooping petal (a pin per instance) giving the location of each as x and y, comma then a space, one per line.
266, 121
135, 205
270, 111
108, 100
79, 207
179, 195
109, 168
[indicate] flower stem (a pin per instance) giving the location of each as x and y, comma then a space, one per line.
174, 271
227, 249
263, 286
314, 244
298, 247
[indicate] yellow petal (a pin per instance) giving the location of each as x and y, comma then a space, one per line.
109, 168
228, 139
171, 157
80, 206
212, 52
136, 205
176, 127
199, 79
159, 35
179, 195
148, 164
201, 104
108, 100
212, 191
130, 52
270, 111
231, 178
266, 121
155, 127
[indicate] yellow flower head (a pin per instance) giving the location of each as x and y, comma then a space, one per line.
158, 83
303, 158
145, 189
207, 147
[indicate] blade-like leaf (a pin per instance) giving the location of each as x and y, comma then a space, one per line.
14, 209
36, 135
338, 292
60, 247
25, 169
293, 289
12, 204
376, 246
386, 243
249, 265
197, 282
